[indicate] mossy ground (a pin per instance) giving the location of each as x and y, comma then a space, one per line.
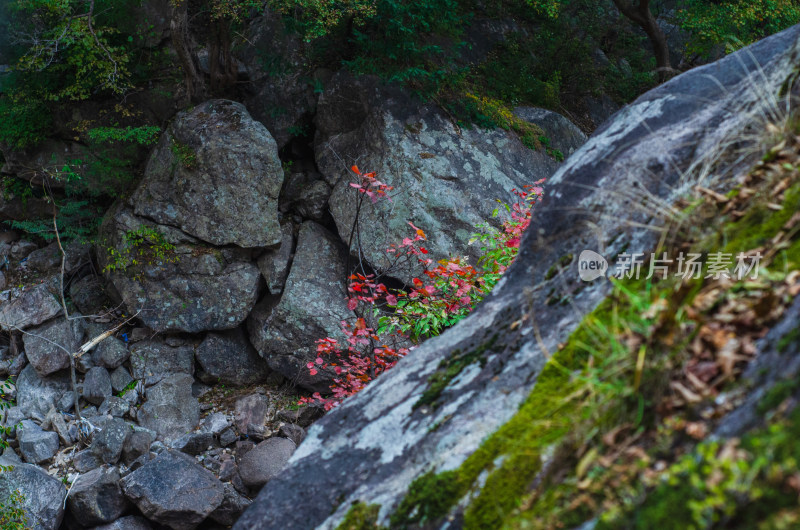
601, 433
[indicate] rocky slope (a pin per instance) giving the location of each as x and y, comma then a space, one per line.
216, 272
613, 194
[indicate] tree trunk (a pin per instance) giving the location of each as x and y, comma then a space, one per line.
179, 30
640, 14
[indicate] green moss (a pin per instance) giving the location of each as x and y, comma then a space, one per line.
429, 498
361, 516
562, 262
450, 368
787, 340
735, 489
185, 154
777, 394
760, 224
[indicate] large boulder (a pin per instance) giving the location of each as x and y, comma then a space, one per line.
174, 490
42, 496
375, 444
21, 308
229, 358
312, 307
216, 175
178, 282
49, 347
446, 178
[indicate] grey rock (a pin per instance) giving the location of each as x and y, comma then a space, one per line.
194, 443
313, 305
35, 444
114, 406
129, 522
88, 295
136, 445
22, 249
10, 418
303, 416
170, 409
97, 385
36, 395
109, 440
110, 353
230, 359
174, 490
649, 144
120, 379
232, 507
265, 461
49, 347
227, 437
195, 287
151, 358
85, 461
561, 133
23, 308
96, 498
293, 432
227, 194
42, 495
307, 195
251, 410
17, 365
45, 259
447, 178
274, 264
215, 423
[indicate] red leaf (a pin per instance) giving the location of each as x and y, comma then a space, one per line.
391, 299
352, 304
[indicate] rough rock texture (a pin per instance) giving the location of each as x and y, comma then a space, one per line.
446, 180
36, 394
109, 439
23, 308
312, 306
230, 359
110, 353
49, 347
232, 507
43, 495
650, 146
174, 490
35, 444
274, 265
97, 385
561, 133
88, 295
193, 287
170, 409
96, 498
265, 461
155, 358
216, 175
